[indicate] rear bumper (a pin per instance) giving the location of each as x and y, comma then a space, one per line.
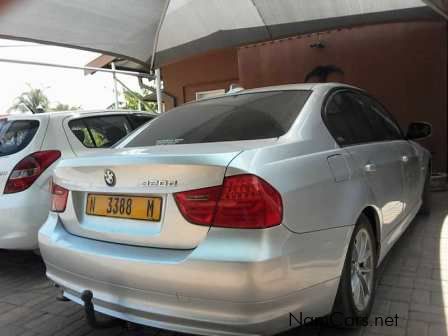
196, 316
22, 215
196, 291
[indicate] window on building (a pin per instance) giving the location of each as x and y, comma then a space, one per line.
209, 94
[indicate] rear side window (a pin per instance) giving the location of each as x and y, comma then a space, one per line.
249, 116
15, 135
100, 132
346, 120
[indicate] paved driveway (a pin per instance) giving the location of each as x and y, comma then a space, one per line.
413, 284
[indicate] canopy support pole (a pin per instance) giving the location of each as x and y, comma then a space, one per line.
159, 90
114, 76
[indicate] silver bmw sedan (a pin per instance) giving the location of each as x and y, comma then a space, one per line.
239, 214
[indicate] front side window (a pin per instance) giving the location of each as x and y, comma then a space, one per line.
385, 128
345, 119
15, 135
249, 116
100, 132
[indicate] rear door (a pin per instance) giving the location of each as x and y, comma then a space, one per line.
19, 137
375, 159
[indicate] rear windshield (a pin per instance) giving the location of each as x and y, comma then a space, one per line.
15, 135
249, 116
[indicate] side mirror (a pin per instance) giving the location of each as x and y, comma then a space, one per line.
419, 130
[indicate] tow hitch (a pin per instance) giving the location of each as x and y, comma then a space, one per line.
87, 297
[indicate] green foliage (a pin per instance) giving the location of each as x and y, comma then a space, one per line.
33, 100
100, 139
136, 101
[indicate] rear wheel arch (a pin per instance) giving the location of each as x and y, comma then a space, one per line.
372, 215
344, 307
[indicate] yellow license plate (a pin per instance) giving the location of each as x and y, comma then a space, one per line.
136, 207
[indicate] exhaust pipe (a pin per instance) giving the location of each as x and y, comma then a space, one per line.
89, 309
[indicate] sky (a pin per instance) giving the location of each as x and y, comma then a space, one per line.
60, 85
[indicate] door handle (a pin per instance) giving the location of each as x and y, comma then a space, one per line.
370, 168
405, 158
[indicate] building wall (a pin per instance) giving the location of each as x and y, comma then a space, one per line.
402, 64
211, 71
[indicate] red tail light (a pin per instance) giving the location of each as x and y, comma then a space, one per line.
27, 171
59, 198
243, 202
198, 206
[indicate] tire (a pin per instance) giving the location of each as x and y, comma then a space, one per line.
349, 310
426, 196
37, 252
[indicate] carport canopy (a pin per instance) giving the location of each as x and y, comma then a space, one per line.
155, 32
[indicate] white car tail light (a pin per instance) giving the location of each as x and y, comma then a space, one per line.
27, 171
59, 198
242, 202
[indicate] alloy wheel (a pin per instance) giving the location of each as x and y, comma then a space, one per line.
362, 268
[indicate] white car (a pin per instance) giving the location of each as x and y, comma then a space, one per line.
30, 146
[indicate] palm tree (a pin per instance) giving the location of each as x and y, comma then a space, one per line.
33, 100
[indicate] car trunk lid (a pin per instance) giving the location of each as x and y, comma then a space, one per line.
156, 172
